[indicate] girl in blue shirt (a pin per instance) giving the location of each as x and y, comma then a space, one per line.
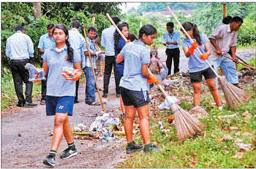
134, 87
61, 91
118, 45
197, 65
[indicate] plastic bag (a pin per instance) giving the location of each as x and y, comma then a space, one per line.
35, 73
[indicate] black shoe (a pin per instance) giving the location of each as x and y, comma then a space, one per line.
133, 147
105, 95
149, 148
27, 104
69, 152
42, 102
93, 103
50, 160
20, 104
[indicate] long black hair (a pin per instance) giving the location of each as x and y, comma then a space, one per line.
147, 30
190, 26
69, 48
117, 36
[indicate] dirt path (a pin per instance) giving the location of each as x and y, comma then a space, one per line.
26, 140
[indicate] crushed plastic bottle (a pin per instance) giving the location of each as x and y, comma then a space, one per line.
69, 71
35, 73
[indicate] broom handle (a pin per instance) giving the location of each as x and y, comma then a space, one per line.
93, 72
113, 23
243, 63
160, 87
192, 41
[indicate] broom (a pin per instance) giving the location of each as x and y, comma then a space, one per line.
94, 75
234, 96
186, 125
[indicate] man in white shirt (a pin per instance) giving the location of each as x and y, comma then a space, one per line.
19, 50
107, 41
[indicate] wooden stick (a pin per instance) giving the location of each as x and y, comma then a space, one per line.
191, 40
242, 62
94, 75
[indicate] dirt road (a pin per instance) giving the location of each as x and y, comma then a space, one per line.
26, 140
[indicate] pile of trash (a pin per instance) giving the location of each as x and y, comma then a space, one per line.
248, 76
102, 127
177, 81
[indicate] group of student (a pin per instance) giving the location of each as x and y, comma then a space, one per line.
131, 60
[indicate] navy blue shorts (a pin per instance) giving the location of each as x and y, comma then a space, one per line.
134, 98
62, 104
196, 77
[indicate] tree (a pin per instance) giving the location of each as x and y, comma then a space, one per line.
37, 9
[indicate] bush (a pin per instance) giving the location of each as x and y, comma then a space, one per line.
247, 32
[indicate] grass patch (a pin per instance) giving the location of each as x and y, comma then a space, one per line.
251, 62
8, 94
245, 46
206, 151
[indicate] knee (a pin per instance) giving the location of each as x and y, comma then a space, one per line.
144, 117
58, 122
212, 87
197, 90
128, 117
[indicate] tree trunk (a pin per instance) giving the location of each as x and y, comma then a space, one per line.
37, 9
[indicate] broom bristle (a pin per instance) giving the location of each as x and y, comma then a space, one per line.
198, 112
234, 96
186, 125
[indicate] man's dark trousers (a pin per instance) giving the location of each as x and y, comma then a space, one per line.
110, 62
173, 54
20, 75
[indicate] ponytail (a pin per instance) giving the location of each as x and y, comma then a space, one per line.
196, 34
70, 52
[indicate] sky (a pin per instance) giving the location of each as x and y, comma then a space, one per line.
127, 6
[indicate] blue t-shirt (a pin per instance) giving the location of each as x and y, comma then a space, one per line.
135, 55
46, 42
171, 37
57, 85
118, 48
195, 64
85, 60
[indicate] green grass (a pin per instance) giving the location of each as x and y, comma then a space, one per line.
206, 151
244, 46
252, 62
8, 95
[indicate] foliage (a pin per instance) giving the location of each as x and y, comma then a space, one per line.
158, 6
14, 13
208, 16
